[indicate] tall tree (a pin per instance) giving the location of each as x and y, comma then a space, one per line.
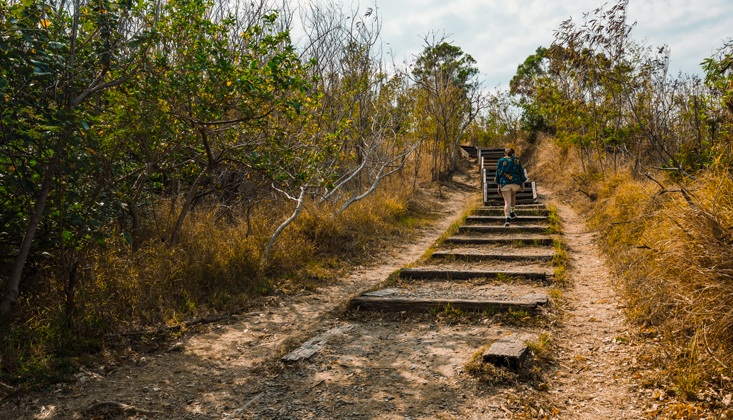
54, 58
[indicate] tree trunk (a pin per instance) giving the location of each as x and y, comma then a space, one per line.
134, 213
186, 207
11, 288
70, 284
282, 227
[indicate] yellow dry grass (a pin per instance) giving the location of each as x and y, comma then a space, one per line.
671, 241
214, 268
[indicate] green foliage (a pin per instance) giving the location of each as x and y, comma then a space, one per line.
719, 74
608, 96
534, 66
169, 140
449, 60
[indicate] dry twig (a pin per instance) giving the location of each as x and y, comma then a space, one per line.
710, 352
123, 407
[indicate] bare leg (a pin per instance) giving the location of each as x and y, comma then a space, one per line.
508, 198
514, 199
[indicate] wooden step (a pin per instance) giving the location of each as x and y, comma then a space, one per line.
507, 240
423, 273
497, 201
495, 196
502, 229
502, 219
536, 206
499, 211
482, 256
394, 303
493, 184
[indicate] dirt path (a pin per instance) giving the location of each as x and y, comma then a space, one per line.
398, 365
214, 371
594, 378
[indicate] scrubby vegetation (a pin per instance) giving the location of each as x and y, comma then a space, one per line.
650, 155
163, 160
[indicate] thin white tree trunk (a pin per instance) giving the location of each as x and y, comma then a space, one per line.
379, 178
282, 227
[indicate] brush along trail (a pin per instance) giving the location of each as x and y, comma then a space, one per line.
445, 337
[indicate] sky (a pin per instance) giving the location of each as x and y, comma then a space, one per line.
500, 34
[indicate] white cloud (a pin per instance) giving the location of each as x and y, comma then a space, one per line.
501, 34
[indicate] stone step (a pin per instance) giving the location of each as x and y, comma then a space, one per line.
432, 273
502, 219
389, 300
481, 256
502, 229
510, 351
314, 345
504, 240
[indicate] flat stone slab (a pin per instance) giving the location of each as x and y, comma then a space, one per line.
480, 256
502, 240
422, 273
511, 352
382, 293
312, 346
502, 229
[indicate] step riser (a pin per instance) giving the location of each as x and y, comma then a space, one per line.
494, 196
498, 241
497, 202
496, 219
533, 206
536, 213
501, 229
425, 305
472, 257
492, 185
468, 274
499, 223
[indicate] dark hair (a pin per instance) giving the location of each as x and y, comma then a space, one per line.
509, 151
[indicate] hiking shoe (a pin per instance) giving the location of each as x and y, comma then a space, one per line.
513, 215
506, 224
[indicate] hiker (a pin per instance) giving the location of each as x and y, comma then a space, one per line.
510, 178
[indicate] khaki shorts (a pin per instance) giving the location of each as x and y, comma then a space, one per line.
511, 187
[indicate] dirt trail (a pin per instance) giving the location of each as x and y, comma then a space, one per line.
594, 378
379, 366
214, 371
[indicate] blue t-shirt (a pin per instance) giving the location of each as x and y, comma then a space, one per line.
509, 171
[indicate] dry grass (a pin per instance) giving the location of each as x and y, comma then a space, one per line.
213, 269
671, 241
